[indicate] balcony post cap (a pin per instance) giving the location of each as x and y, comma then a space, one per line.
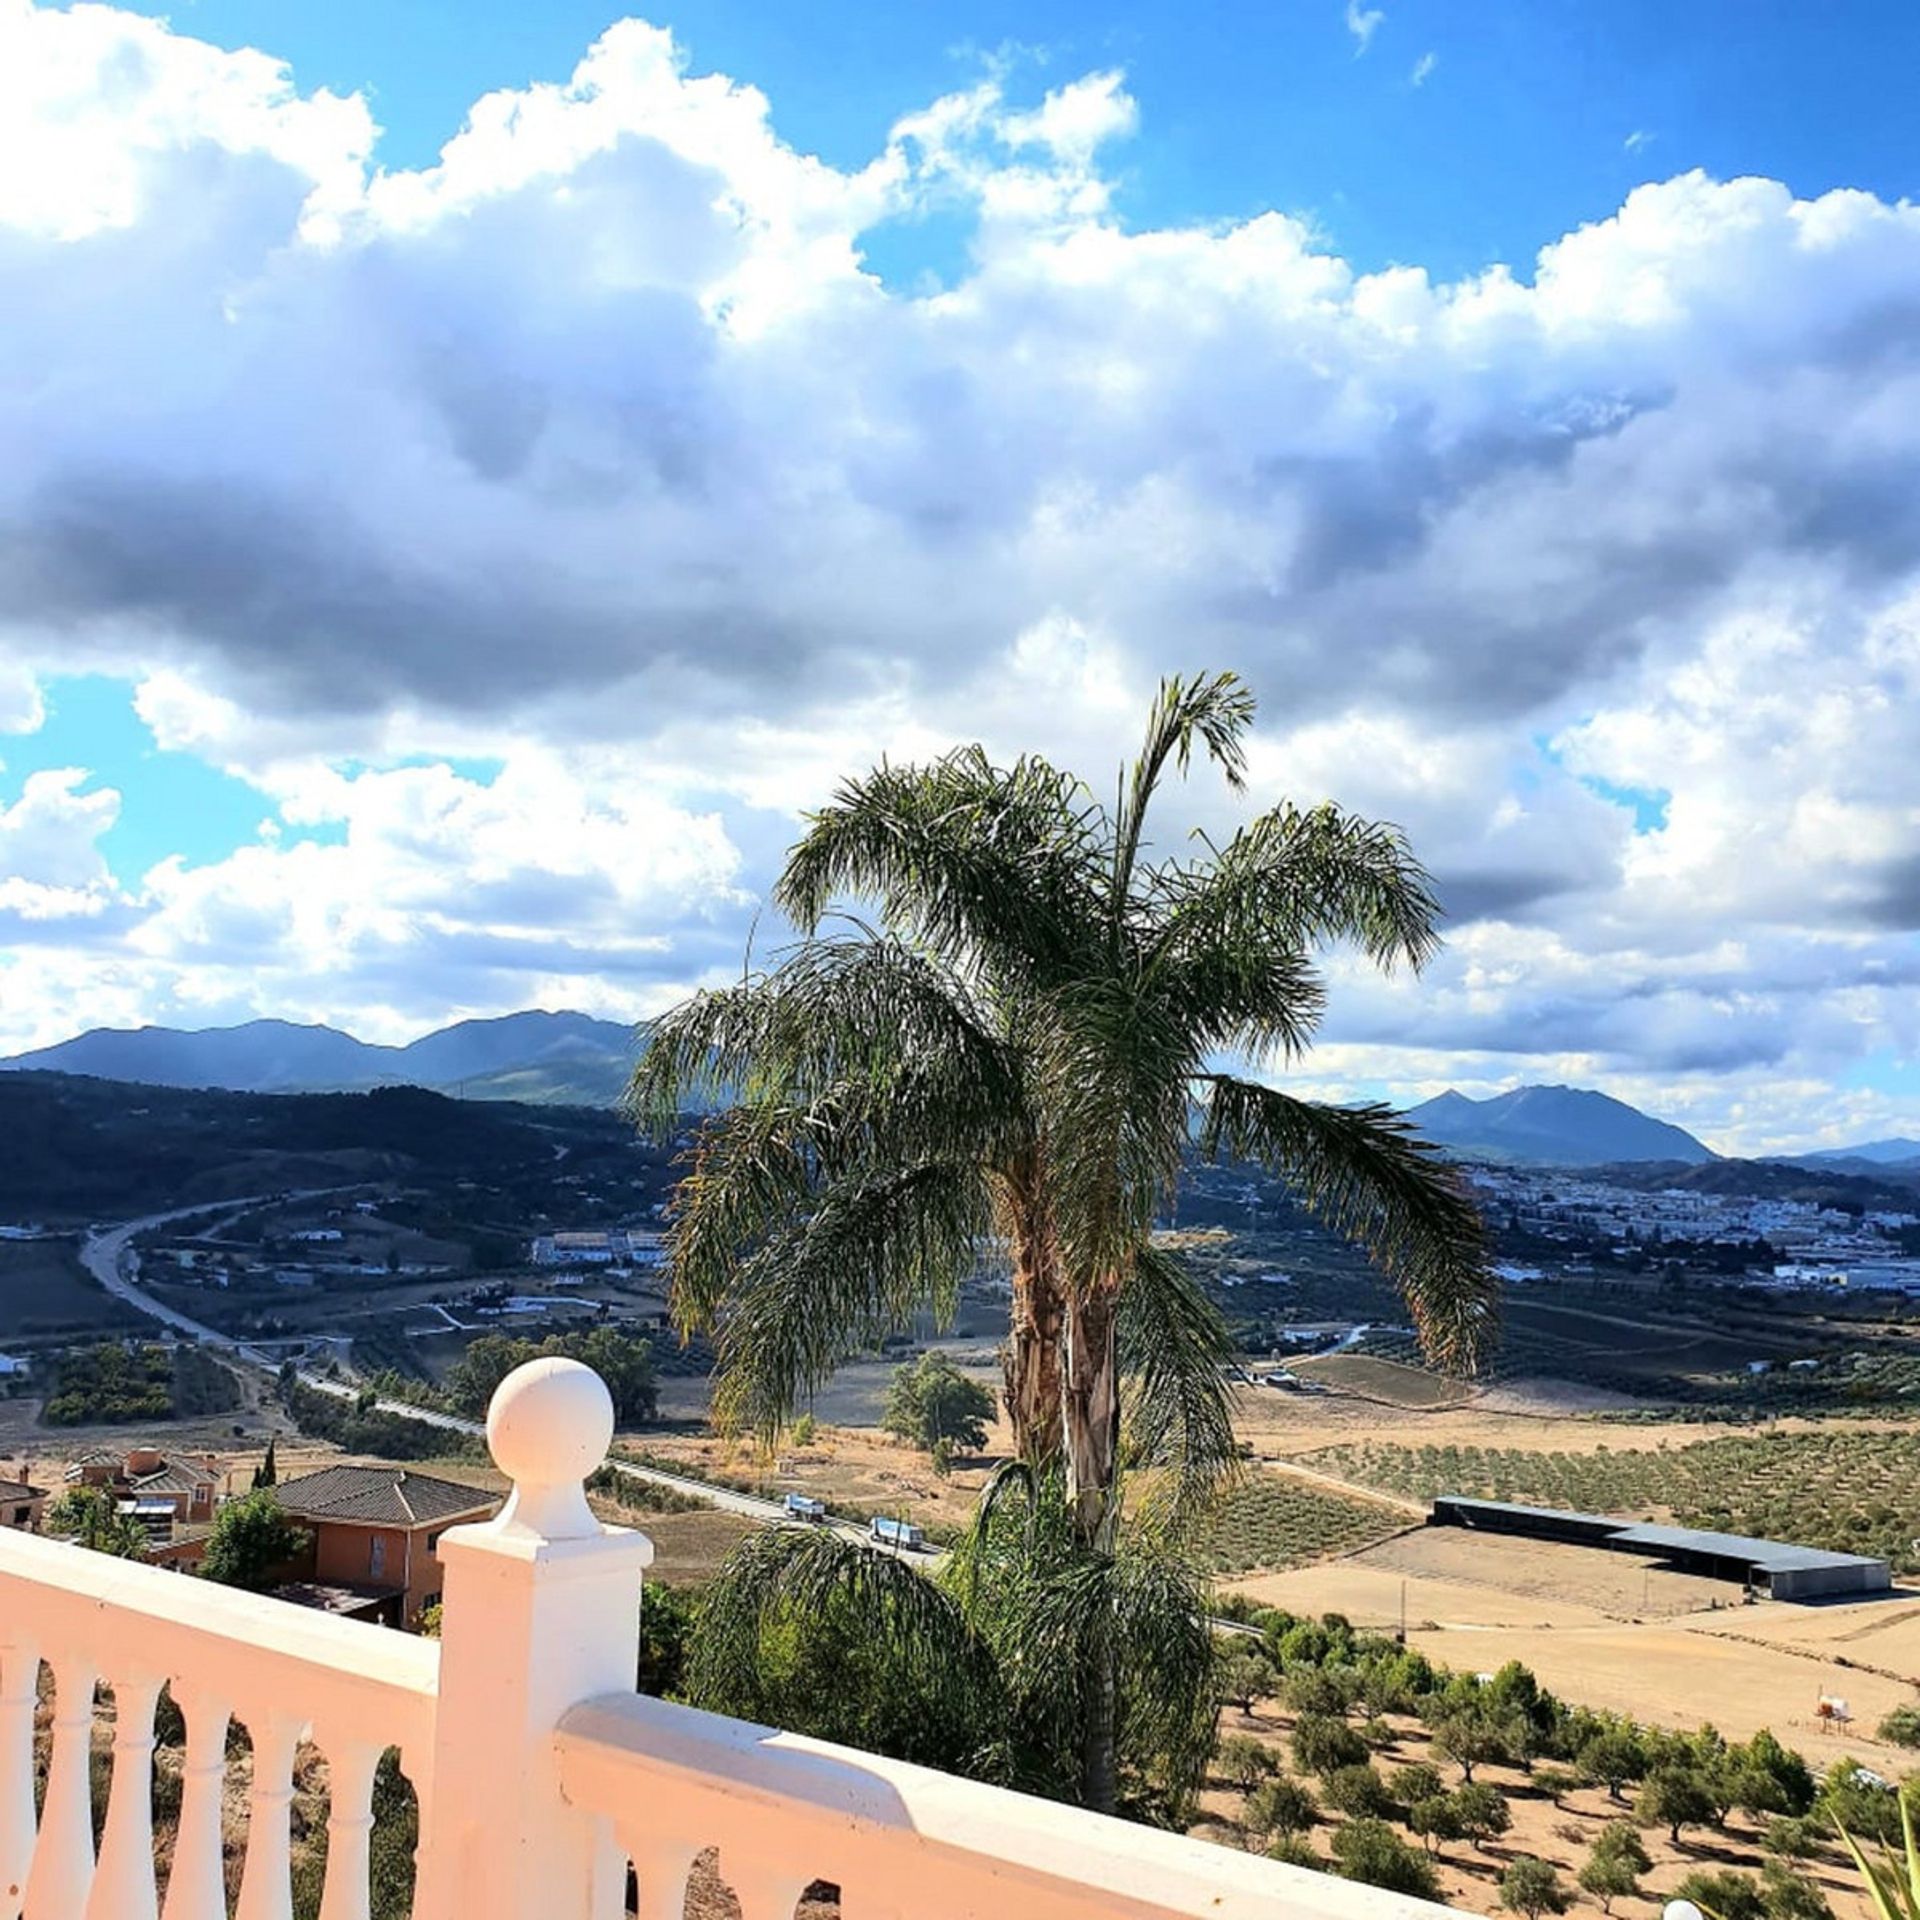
548, 1426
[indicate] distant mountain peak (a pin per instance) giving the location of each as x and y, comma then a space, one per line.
1553, 1126
554, 1057
1898, 1151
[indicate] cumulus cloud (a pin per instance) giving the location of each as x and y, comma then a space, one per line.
50, 862
595, 452
1423, 68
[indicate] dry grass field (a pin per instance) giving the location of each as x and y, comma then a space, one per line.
853, 1466
1607, 1630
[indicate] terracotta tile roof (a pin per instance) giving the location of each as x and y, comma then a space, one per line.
382, 1496
177, 1476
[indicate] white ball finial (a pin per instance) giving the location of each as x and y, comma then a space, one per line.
1681, 1910
549, 1426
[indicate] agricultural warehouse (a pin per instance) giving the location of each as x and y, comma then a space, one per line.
1770, 1566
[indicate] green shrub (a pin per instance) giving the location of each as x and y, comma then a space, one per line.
1322, 1745
1530, 1886
1360, 1793
1243, 1762
1280, 1806
1724, 1894
1901, 1728
1370, 1851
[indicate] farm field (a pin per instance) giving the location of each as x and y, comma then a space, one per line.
45, 1290
1559, 1834
1273, 1521
1545, 1417
1607, 1630
1394, 1382
1687, 1673
687, 1547
1618, 1586
852, 1467
1841, 1487
1458, 1580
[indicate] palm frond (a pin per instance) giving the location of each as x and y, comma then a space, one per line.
994, 869
1893, 1880
792, 1607
1174, 1348
1366, 1174
1054, 1615
1298, 877
1218, 708
844, 1012
1111, 1074
875, 1249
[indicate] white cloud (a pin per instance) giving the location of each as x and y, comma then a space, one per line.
50, 862
1363, 23
594, 451
1638, 139
1423, 68
21, 708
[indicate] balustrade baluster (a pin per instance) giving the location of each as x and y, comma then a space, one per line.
766, 1889
351, 1765
19, 1695
663, 1871
197, 1886
62, 1868
607, 1887
123, 1880
266, 1883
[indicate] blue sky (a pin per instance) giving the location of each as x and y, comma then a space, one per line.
428, 590
1535, 116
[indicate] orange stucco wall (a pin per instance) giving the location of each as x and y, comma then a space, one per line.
344, 1551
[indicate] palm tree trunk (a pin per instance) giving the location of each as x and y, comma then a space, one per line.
1090, 1429
1030, 1360
1090, 1414
1099, 1744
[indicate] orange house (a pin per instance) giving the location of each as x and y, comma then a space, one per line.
159, 1489
376, 1529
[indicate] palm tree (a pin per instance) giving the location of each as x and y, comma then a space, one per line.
982, 1668
1027, 1044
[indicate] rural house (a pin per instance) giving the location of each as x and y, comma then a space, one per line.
376, 1529
21, 1505
161, 1491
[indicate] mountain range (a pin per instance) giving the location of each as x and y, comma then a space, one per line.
1871, 1156
550, 1058
1553, 1126
572, 1059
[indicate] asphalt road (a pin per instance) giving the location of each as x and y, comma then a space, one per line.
110, 1257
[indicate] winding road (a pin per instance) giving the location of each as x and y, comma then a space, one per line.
110, 1257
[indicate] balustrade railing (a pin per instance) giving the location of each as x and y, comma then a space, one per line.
547, 1787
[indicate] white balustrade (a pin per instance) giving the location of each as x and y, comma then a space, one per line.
351, 1766
62, 1872
276, 1667
197, 1887
123, 1881
19, 1695
540, 1773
